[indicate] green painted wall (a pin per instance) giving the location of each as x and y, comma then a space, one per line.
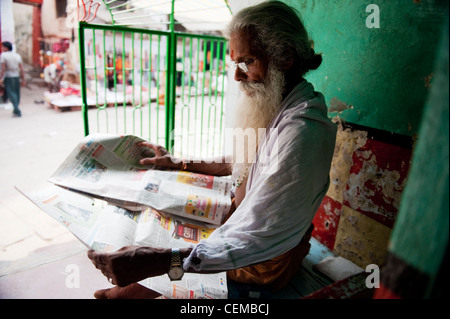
420, 235
377, 77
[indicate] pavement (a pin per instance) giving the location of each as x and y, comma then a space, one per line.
39, 258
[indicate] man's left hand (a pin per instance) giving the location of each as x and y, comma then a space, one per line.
131, 264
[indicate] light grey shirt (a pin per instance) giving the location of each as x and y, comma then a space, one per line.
12, 63
285, 187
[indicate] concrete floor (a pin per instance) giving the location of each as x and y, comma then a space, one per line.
39, 258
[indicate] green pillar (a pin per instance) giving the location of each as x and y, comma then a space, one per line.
420, 235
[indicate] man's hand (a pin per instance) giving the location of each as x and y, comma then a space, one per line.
131, 264
162, 157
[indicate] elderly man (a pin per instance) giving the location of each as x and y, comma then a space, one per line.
281, 185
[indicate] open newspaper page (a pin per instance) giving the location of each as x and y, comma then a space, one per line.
159, 229
94, 222
107, 167
105, 227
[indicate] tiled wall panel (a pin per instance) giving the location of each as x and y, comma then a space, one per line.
368, 174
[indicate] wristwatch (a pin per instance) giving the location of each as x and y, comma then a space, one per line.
176, 270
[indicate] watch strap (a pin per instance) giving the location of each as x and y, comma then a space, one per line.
175, 259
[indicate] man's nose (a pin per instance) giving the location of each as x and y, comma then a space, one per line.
239, 75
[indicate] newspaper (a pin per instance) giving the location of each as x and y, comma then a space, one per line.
107, 167
108, 200
105, 227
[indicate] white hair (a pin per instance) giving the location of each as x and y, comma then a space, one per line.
277, 32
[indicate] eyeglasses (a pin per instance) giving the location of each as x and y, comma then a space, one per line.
243, 66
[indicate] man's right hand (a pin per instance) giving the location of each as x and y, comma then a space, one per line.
162, 157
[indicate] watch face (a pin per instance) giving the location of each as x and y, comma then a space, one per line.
176, 273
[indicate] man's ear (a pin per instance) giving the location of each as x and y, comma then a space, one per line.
288, 61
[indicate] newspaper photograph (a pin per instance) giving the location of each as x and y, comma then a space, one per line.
105, 227
107, 167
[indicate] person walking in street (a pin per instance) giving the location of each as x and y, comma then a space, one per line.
12, 75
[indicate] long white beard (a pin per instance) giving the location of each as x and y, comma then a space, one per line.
255, 110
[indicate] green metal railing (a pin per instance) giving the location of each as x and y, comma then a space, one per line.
164, 86
201, 86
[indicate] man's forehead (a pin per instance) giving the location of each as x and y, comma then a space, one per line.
241, 46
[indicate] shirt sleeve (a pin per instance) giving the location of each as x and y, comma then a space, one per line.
287, 189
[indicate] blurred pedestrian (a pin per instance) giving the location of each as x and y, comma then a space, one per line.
53, 74
12, 75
